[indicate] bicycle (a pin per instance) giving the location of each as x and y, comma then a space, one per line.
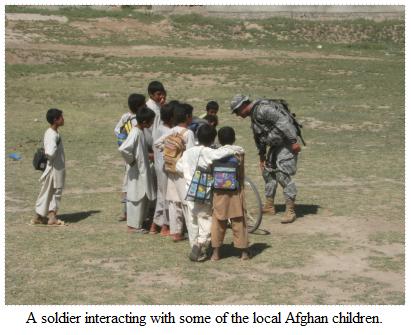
253, 205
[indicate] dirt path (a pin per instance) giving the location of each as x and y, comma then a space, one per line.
13, 42
35, 17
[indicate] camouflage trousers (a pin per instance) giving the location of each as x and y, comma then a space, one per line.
281, 164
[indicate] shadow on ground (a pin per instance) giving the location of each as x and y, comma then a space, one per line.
228, 250
76, 217
300, 209
260, 231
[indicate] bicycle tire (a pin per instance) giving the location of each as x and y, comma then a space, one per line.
254, 213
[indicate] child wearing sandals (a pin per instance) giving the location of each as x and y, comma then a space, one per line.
53, 177
140, 184
135, 102
229, 205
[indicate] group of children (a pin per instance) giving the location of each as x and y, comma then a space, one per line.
163, 146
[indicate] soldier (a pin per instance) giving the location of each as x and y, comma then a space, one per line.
273, 127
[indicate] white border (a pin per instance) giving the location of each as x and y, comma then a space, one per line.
13, 318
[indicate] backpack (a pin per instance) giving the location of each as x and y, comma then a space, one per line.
174, 146
200, 186
225, 174
296, 124
125, 130
40, 159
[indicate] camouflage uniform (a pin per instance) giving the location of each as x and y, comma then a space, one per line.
273, 127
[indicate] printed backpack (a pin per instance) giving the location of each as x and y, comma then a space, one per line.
201, 185
125, 130
174, 146
225, 174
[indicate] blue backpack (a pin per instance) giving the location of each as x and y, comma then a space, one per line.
225, 174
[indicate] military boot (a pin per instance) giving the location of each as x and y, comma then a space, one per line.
269, 207
289, 215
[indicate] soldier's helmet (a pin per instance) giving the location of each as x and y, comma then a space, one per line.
237, 101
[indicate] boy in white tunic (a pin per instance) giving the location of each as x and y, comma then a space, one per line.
200, 214
161, 217
176, 191
53, 177
157, 98
140, 185
135, 102
158, 95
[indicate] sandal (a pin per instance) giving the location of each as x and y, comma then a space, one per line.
58, 223
153, 229
122, 218
165, 230
178, 237
137, 230
37, 222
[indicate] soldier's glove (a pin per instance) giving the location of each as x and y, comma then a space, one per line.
295, 148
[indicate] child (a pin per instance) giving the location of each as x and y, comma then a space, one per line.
140, 189
158, 95
135, 102
199, 214
53, 177
175, 184
212, 108
189, 112
212, 120
229, 205
161, 211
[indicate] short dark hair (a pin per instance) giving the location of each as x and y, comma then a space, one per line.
53, 114
166, 112
206, 134
179, 114
226, 135
145, 114
188, 108
136, 101
155, 86
212, 105
211, 119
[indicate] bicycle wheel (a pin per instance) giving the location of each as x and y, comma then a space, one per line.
253, 206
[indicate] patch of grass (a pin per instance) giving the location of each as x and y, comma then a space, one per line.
389, 237
385, 263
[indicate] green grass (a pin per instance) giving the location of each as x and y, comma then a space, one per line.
352, 109
390, 237
395, 264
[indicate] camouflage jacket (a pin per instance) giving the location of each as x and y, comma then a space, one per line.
271, 125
